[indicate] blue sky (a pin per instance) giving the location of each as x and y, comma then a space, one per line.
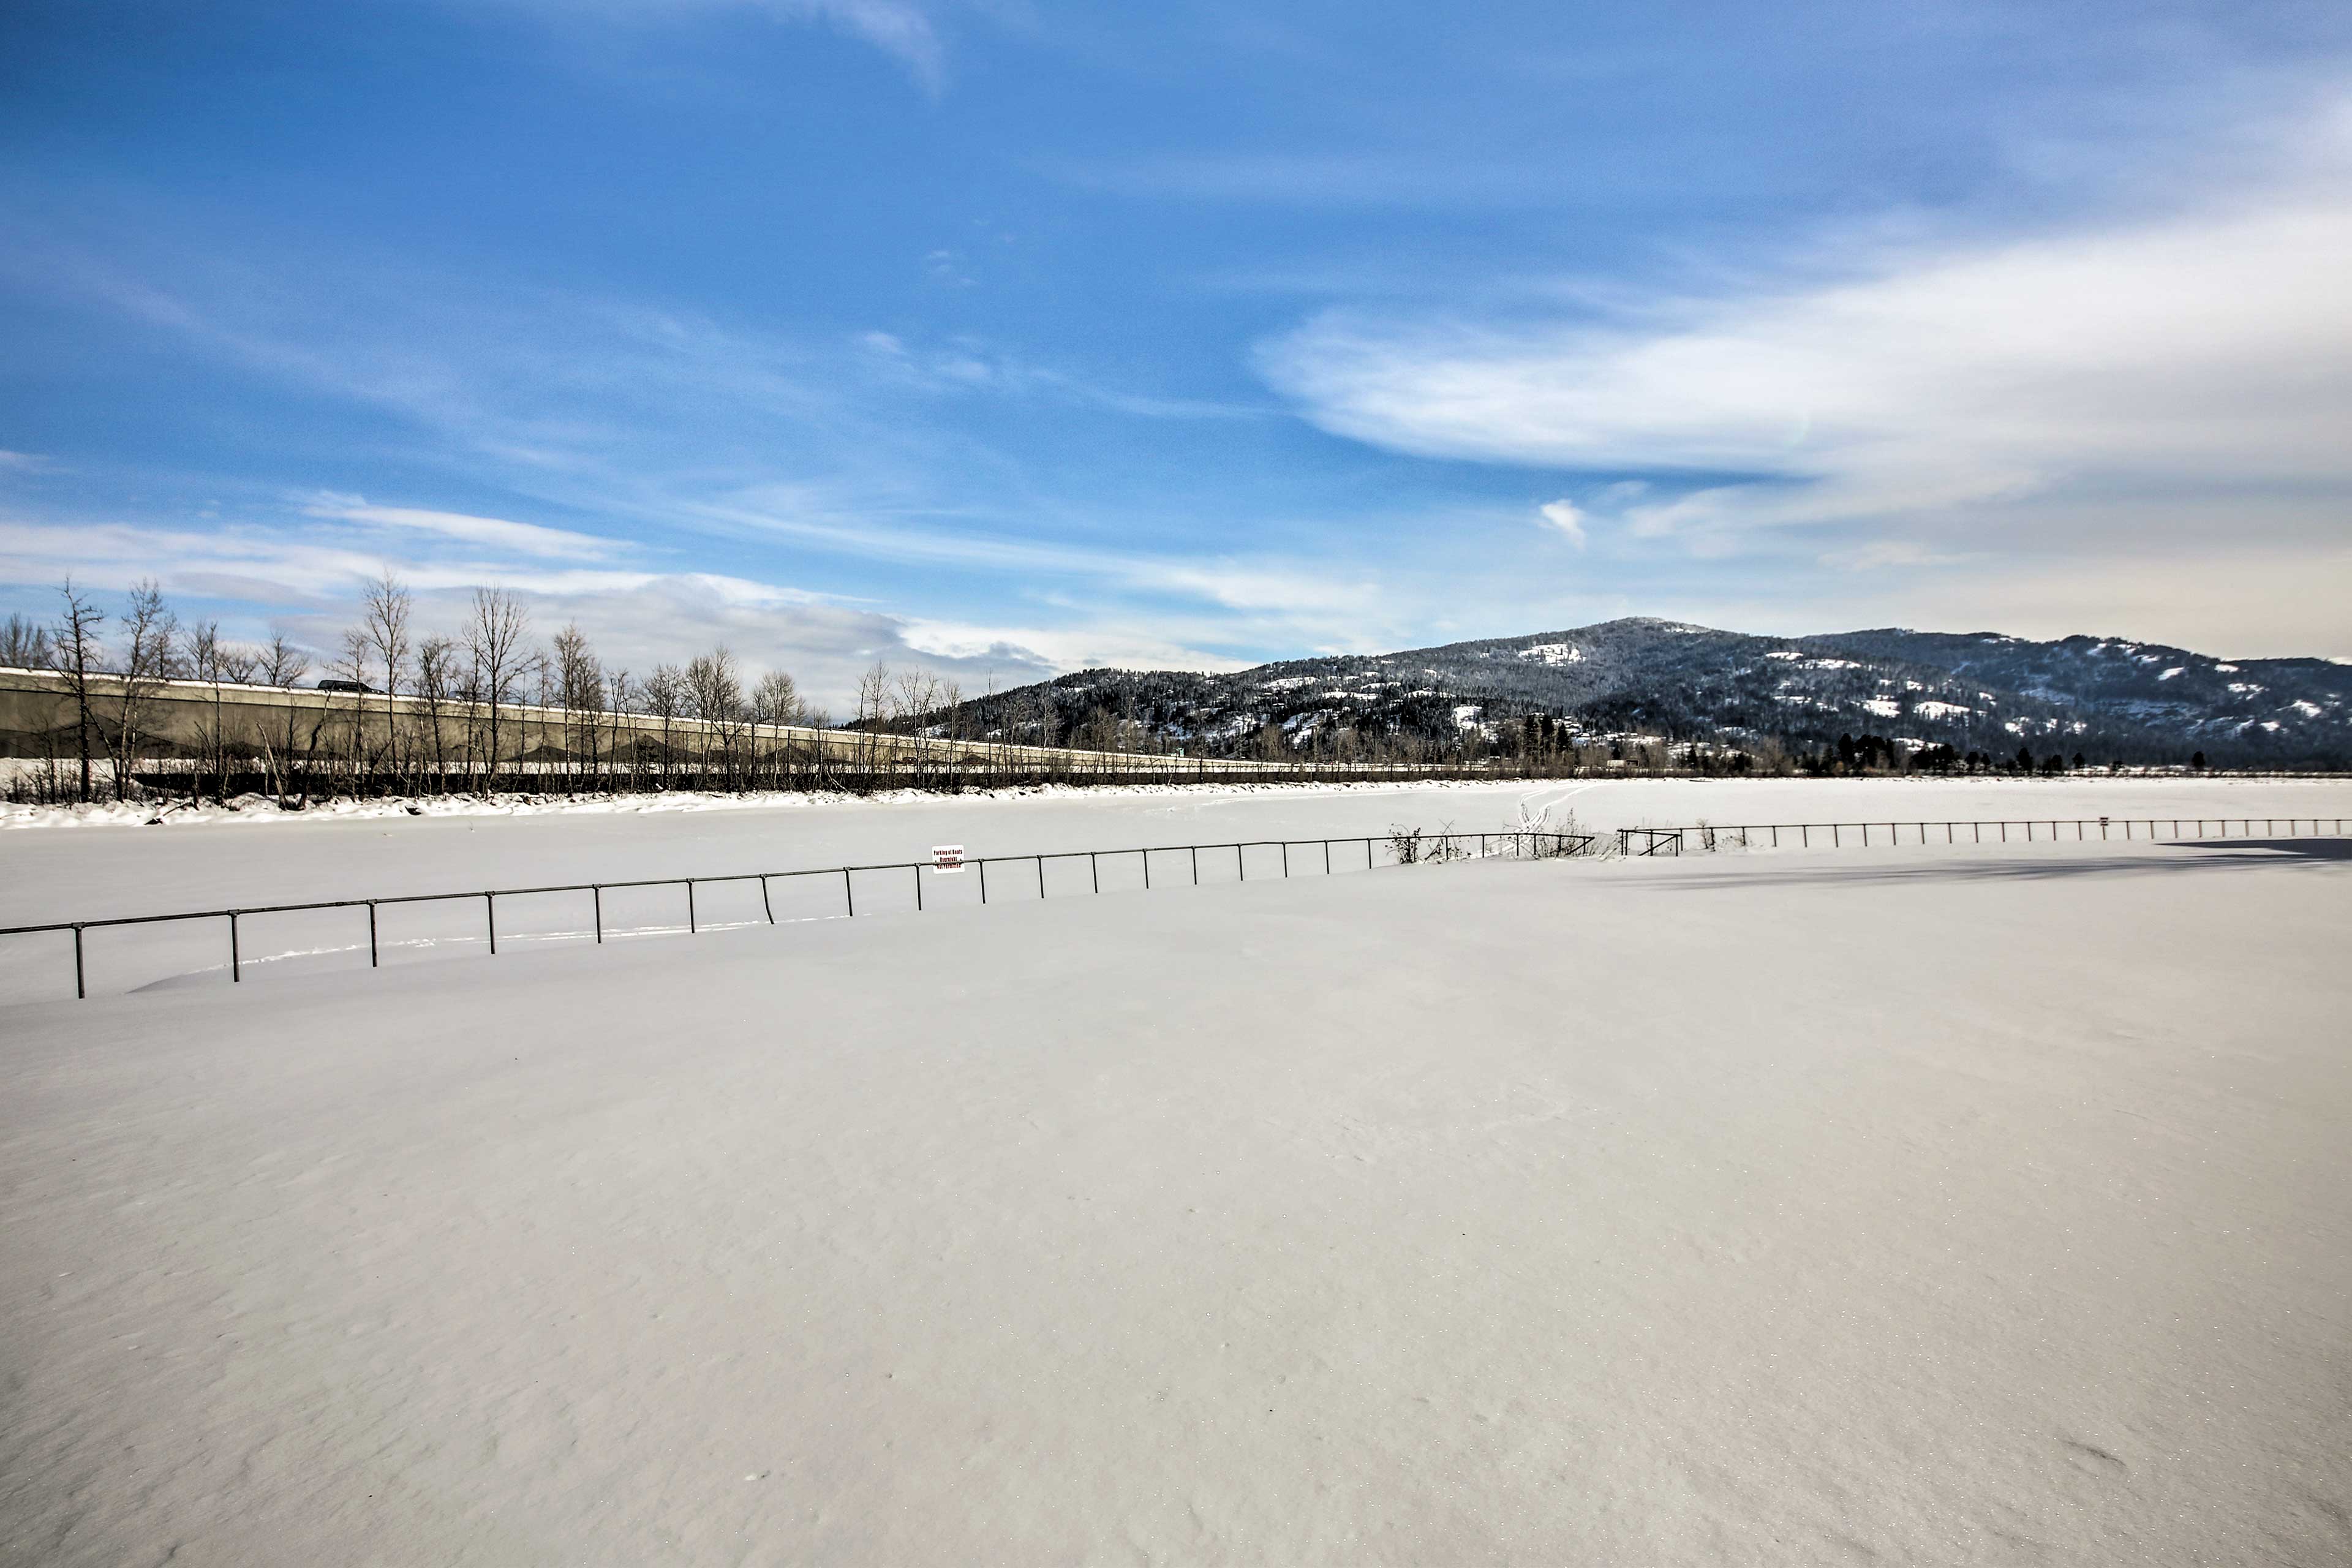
1009, 338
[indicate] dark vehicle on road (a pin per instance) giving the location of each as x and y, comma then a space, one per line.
359, 686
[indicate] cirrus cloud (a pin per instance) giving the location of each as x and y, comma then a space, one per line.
2206, 354
1566, 516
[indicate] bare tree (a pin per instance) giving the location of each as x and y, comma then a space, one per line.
352, 667
873, 706
282, 663
494, 640
777, 701
665, 699
580, 686
914, 696
151, 639
23, 643
76, 639
540, 672
716, 691
619, 692
437, 668
212, 660
386, 605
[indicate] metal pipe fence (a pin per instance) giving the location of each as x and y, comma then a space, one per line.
1639, 842
1407, 849
1403, 847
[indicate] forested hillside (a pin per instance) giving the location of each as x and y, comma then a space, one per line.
1641, 683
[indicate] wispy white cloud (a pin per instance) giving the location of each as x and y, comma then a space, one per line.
1053, 649
1240, 586
1884, 552
891, 25
2208, 352
268, 563
897, 27
967, 365
521, 538
1566, 517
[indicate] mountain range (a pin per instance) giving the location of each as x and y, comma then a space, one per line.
1642, 680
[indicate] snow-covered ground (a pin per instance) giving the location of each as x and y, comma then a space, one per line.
1931, 1206
76, 873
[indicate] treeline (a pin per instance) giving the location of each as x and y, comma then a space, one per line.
1294, 721
401, 710
476, 715
1881, 754
1181, 713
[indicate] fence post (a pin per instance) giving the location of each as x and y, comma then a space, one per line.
1368, 854
1286, 858
1041, 875
690, 926
765, 906
235, 959
848, 893
917, 869
1196, 865
984, 879
1241, 862
81, 992
597, 890
491, 919
1094, 870
372, 963
1147, 868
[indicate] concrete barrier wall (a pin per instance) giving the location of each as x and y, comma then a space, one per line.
190, 719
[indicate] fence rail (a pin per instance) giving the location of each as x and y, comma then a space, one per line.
1415, 846
1647, 841
1404, 848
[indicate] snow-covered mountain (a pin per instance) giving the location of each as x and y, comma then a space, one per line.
2108, 696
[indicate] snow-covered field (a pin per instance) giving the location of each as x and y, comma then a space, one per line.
1926, 1207
64, 873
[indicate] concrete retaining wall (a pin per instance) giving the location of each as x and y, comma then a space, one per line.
190, 718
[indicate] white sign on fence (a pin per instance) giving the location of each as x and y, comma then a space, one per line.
947, 858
